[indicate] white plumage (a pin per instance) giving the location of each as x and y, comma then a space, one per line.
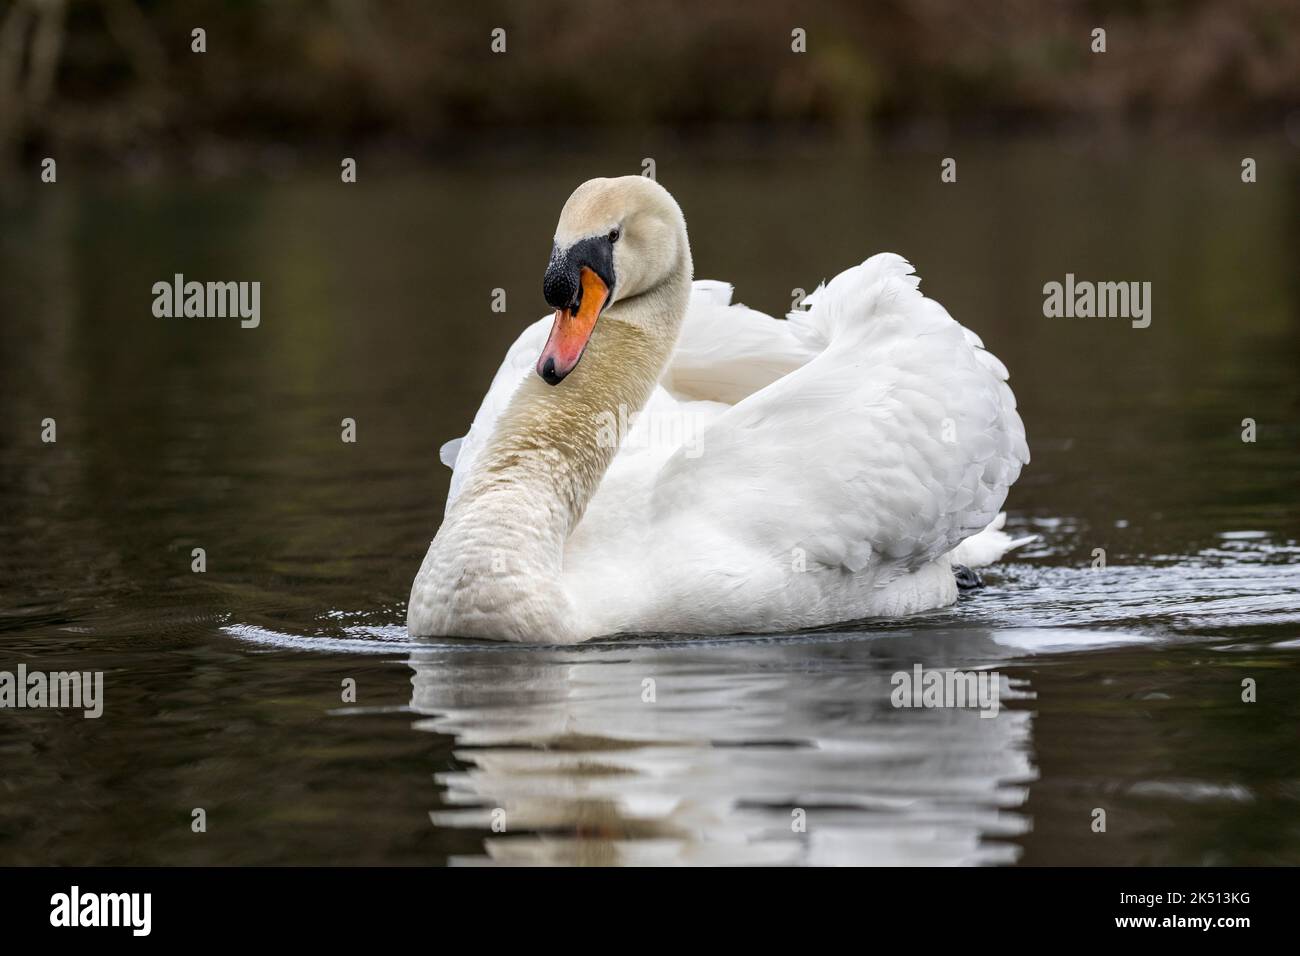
783, 474
842, 454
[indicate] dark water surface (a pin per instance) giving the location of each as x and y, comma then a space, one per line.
1121, 686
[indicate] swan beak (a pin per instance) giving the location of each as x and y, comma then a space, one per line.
572, 329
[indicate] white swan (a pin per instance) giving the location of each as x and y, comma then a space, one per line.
780, 474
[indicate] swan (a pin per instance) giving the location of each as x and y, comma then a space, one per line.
653, 458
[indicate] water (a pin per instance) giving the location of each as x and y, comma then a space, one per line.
1120, 686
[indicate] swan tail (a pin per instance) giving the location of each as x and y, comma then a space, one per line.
989, 545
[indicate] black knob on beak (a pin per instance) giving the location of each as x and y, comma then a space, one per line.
560, 284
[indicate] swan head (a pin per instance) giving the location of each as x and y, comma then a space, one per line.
617, 239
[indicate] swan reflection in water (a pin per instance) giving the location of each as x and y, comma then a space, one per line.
784, 751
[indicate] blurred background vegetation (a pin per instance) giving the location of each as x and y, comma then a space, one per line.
116, 79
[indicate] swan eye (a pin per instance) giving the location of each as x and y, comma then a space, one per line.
613, 236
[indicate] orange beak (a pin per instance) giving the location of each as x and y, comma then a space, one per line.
572, 329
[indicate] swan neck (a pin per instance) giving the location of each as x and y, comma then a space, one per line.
554, 443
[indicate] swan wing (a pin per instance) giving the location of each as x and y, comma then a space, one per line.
895, 441
724, 353
459, 453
